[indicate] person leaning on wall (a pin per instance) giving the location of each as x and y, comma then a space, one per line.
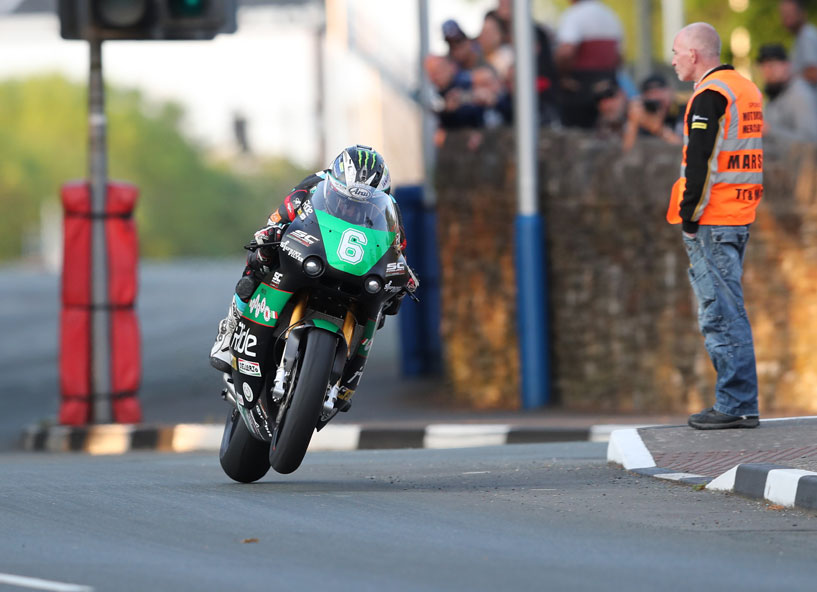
794, 17
715, 200
588, 53
791, 107
654, 113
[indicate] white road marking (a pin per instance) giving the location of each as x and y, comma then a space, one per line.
38, 584
476, 472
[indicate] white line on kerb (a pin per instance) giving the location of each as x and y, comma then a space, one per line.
38, 584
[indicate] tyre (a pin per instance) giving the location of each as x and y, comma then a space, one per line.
244, 458
307, 400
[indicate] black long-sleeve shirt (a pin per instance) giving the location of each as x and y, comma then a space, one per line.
703, 124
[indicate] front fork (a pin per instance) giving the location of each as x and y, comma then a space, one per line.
330, 406
353, 371
284, 371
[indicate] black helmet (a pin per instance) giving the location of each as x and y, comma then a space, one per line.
361, 164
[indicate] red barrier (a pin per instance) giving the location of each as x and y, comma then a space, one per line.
76, 388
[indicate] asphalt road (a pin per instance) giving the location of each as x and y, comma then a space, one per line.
520, 517
179, 306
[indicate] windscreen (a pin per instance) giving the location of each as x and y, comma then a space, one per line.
357, 204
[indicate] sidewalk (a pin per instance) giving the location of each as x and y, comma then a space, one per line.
776, 461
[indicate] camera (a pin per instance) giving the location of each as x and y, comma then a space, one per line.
652, 106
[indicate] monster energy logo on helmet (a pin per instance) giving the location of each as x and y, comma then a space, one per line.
362, 164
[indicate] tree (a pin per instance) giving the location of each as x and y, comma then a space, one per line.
188, 204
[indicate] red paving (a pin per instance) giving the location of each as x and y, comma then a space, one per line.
714, 463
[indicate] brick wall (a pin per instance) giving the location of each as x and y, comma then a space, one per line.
623, 331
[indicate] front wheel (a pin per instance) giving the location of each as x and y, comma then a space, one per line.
244, 458
307, 399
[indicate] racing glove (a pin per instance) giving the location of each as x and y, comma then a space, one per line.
267, 240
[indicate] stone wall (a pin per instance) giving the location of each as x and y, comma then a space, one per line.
623, 331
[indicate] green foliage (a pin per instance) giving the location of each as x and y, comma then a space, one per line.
761, 18
188, 205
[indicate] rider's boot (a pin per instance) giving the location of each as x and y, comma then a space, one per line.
220, 356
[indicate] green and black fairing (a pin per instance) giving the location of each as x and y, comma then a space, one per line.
339, 255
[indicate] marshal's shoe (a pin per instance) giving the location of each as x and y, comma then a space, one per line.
710, 419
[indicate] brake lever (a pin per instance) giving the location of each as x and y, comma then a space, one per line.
254, 246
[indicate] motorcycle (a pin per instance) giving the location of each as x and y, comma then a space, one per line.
339, 266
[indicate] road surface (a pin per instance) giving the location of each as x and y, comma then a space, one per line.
518, 517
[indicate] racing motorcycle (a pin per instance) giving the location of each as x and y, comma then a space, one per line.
339, 266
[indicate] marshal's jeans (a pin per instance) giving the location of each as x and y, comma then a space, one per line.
715, 270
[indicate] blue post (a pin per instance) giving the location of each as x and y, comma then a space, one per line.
531, 302
430, 295
410, 201
530, 241
420, 342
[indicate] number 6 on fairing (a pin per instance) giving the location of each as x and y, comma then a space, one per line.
351, 246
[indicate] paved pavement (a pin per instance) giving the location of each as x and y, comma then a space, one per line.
711, 453
776, 461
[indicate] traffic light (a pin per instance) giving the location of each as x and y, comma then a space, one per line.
146, 19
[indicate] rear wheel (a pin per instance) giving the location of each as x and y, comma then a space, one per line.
244, 458
307, 399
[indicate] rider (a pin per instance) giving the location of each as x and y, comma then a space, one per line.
356, 164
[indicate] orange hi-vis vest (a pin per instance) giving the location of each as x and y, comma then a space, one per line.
734, 180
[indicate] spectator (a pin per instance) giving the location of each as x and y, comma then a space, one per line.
791, 110
487, 105
492, 97
611, 105
445, 75
495, 49
804, 61
588, 52
654, 113
464, 51
546, 79
453, 87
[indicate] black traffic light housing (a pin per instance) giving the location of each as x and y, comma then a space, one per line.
146, 19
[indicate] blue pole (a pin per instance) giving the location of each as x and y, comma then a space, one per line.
530, 244
430, 286
531, 302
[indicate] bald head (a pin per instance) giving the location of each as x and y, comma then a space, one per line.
697, 49
703, 38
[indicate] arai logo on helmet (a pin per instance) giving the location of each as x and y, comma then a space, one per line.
360, 191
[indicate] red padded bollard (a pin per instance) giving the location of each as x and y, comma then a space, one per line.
75, 324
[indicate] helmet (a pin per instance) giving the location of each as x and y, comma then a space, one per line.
361, 164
